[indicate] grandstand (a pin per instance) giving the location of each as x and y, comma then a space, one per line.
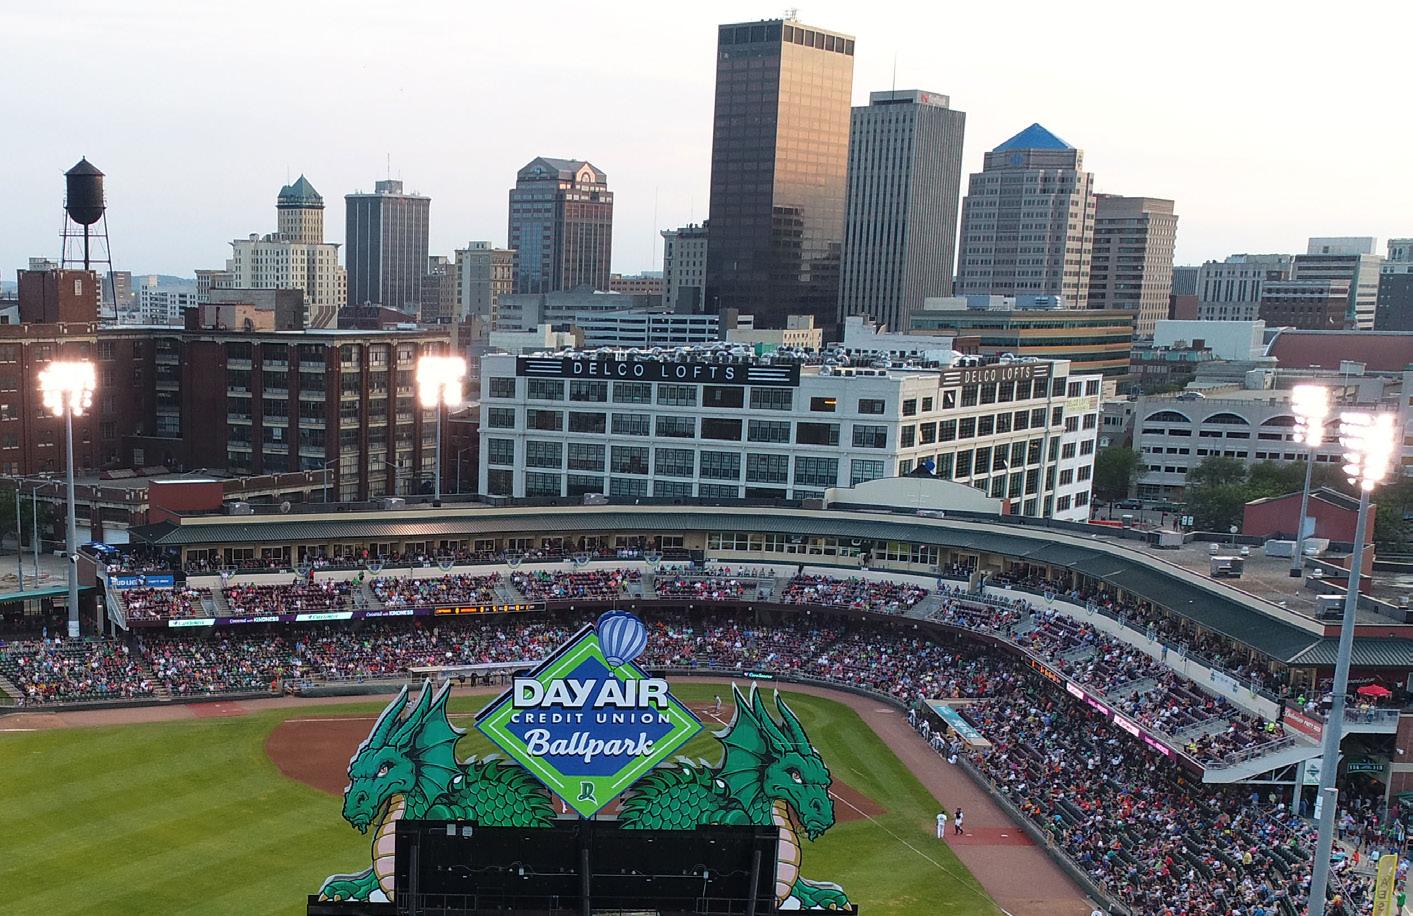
1116, 692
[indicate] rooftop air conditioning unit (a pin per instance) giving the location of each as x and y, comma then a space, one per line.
239, 508
394, 502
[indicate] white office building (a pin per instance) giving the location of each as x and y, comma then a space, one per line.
634, 328
684, 254
1230, 290
295, 257
684, 427
163, 306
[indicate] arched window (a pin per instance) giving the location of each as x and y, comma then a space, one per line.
1166, 416
1228, 418
1280, 421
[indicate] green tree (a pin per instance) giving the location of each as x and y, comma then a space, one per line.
1393, 530
1217, 472
1216, 508
1115, 470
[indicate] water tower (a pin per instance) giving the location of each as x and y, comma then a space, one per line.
85, 233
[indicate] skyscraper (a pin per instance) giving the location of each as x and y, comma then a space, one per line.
1133, 257
561, 225
684, 255
386, 246
294, 257
1028, 221
779, 154
900, 226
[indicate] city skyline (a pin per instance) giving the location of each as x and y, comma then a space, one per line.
1175, 134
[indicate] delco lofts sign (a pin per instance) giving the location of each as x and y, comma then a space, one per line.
1000, 372
652, 370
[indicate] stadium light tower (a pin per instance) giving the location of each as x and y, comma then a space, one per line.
1311, 406
1368, 441
439, 382
67, 386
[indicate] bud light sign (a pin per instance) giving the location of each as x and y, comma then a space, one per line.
588, 722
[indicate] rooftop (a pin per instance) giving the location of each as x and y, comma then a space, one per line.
1033, 137
300, 194
1379, 351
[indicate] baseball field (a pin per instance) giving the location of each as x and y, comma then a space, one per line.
232, 812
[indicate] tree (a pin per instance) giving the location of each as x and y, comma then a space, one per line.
1115, 470
1217, 472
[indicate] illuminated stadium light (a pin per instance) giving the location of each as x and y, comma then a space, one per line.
68, 384
1368, 441
1311, 406
439, 380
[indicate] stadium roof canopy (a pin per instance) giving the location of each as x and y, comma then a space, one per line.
1244, 617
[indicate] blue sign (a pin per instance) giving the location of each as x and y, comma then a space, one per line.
157, 581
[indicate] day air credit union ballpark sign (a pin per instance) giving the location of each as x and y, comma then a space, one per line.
588, 722
646, 370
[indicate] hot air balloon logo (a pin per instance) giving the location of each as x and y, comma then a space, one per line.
622, 637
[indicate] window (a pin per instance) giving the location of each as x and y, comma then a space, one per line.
633, 392
1067, 450
723, 396
499, 483
502, 387
944, 466
1021, 420
718, 491
629, 459
1091, 420
817, 433
537, 484
1066, 477
967, 428
768, 468
870, 436
964, 463
543, 389
823, 405
585, 456
871, 405
500, 417
586, 422
988, 394
986, 426
586, 390
927, 405
1062, 504
1033, 451
947, 431
927, 433
714, 428
1017, 454
677, 427
1086, 447
969, 395
910, 407
772, 399
579, 484
816, 472
544, 419
720, 466
999, 461
627, 486
631, 424
500, 451
864, 469
542, 454
1006, 391
672, 488
675, 462
768, 431
677, 395
949, 400
1086, 472
907, 436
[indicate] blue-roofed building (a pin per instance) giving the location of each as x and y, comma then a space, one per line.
1028, 221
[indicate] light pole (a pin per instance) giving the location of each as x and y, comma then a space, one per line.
1368, 441
67, 386
326, 477
439, 382
1311, 406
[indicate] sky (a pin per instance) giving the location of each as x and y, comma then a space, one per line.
1267, 122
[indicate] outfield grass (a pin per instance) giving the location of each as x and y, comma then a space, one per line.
192, 817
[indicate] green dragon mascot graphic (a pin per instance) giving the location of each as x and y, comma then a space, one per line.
407, 767
769, 775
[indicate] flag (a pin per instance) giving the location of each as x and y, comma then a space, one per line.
1385, 885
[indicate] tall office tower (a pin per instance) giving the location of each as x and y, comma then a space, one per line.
1350, 260
1395, 308
1185, 280
779, 158
561, 225
1028, 221
295, 257
386, 246
900, 224
684, 256
1132, 266
484, 274
1230, 290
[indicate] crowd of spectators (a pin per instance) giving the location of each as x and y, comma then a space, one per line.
405, 591
1155, 841
161, 603
53, 671
291, 598
714, 586
593, 584
854, 593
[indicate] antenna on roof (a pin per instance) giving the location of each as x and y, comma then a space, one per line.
895, 71
791, 14
389, 155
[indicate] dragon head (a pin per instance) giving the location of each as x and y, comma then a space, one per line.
766, 761
412, 755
